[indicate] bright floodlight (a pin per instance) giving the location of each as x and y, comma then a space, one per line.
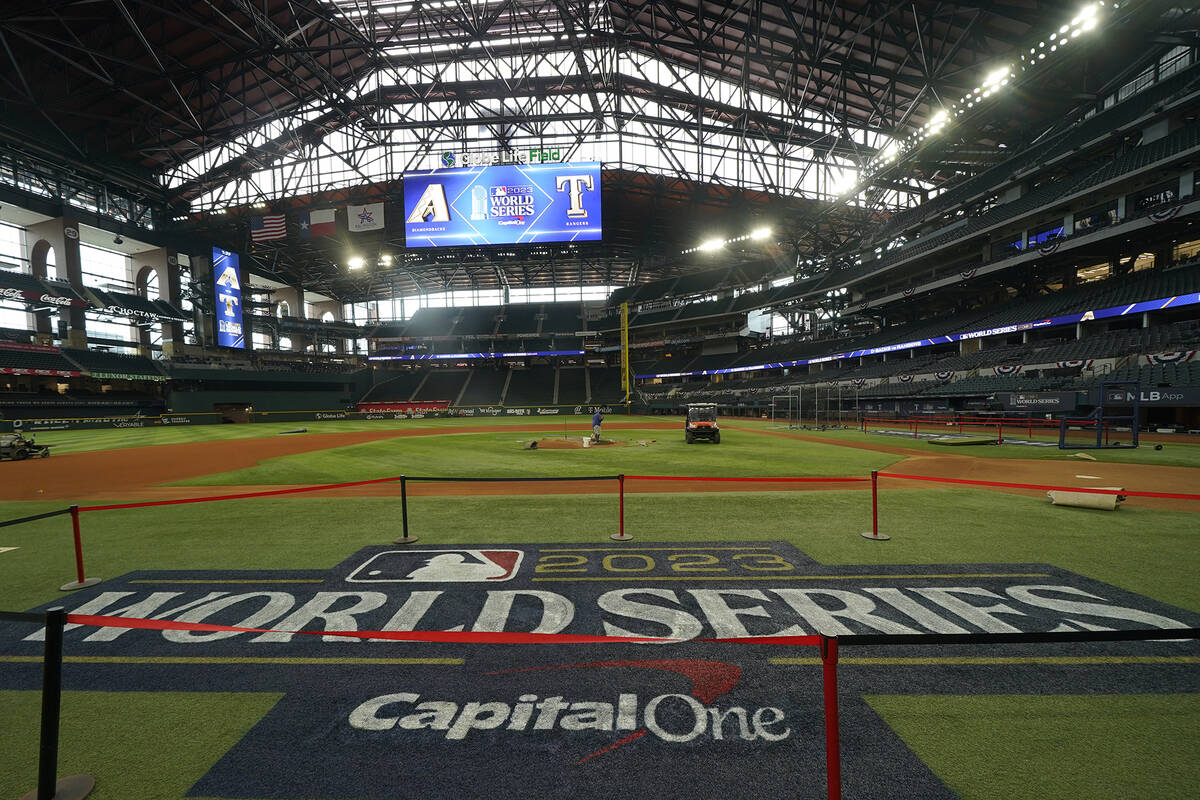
355, 263
760, 233
711, 244
995, 77
938, 121
385, 259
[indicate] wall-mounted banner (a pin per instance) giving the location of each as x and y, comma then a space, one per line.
502, 205
1037, 401
1177, 396
227, 287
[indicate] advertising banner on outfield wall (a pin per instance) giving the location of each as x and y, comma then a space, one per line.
1037, 401
100, 423
1177, 396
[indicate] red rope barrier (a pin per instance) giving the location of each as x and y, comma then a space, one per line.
1125, 492
213, 498
450, 637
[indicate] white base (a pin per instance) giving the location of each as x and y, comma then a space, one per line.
620, 537
880, 538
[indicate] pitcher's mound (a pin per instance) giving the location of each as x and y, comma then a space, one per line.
574, 443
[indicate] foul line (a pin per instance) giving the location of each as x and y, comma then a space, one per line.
240, 660
629, 578
1076, 661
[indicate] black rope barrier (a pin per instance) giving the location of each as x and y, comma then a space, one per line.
47, 515
428, 478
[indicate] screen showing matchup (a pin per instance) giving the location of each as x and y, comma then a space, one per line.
508, 204
227, 286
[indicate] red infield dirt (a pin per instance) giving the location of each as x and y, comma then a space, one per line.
137, 473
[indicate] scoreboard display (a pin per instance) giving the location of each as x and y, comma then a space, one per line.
227, 289
506, 204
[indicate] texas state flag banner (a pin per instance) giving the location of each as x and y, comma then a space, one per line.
365, 218
319, 222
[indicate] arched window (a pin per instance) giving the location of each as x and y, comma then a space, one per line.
285, 343
282, 309
328, 317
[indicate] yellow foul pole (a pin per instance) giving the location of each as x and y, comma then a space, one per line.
626, 383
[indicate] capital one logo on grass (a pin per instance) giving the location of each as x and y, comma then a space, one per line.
671, 717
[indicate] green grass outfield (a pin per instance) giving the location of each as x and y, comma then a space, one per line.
985, 747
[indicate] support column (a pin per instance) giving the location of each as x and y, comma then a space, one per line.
62, 236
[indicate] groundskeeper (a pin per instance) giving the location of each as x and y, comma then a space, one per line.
597, 418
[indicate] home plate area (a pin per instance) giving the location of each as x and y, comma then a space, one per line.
376, 718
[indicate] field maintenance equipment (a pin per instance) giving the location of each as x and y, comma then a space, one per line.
701, 423
18, 448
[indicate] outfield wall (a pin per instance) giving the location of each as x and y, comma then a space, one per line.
324, 415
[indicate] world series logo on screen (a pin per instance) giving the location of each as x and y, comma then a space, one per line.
507, 204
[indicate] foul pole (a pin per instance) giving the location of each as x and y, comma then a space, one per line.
626, 382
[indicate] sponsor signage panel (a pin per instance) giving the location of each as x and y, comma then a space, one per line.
566, 721
452, 356
1179, 396
227, 288
1037, 401
508, 204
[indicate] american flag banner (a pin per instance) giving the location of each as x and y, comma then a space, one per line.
268, 227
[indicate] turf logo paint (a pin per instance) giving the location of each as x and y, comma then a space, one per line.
671, 717
438, 566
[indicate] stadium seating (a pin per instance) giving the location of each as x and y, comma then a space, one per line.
441, 384
484, 387
572, 385
95, 361
533, 386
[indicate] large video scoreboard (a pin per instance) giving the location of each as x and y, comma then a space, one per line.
227, 289
506, 204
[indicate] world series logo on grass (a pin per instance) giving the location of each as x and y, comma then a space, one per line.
688, 719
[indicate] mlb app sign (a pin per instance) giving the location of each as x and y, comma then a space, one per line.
512, 204
227, 287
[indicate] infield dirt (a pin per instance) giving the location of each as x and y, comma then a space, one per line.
138, 473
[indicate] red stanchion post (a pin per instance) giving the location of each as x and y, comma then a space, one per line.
1000, 432
620, 535
874, 532
80, 581
833, 750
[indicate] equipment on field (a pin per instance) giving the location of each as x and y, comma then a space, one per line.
18, 448
1104, 502
701, 423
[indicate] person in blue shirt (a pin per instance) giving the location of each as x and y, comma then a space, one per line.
597, 418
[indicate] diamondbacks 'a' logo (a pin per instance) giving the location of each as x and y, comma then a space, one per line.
438, 566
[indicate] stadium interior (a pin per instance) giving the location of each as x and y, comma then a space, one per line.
490, 398
937, 251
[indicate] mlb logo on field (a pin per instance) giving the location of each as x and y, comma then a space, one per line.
438, 566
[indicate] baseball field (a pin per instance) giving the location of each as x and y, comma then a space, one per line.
258, 711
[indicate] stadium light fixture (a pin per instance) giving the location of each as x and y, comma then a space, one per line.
997, 77
385, 260
711, 244
758, 234
355, 262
